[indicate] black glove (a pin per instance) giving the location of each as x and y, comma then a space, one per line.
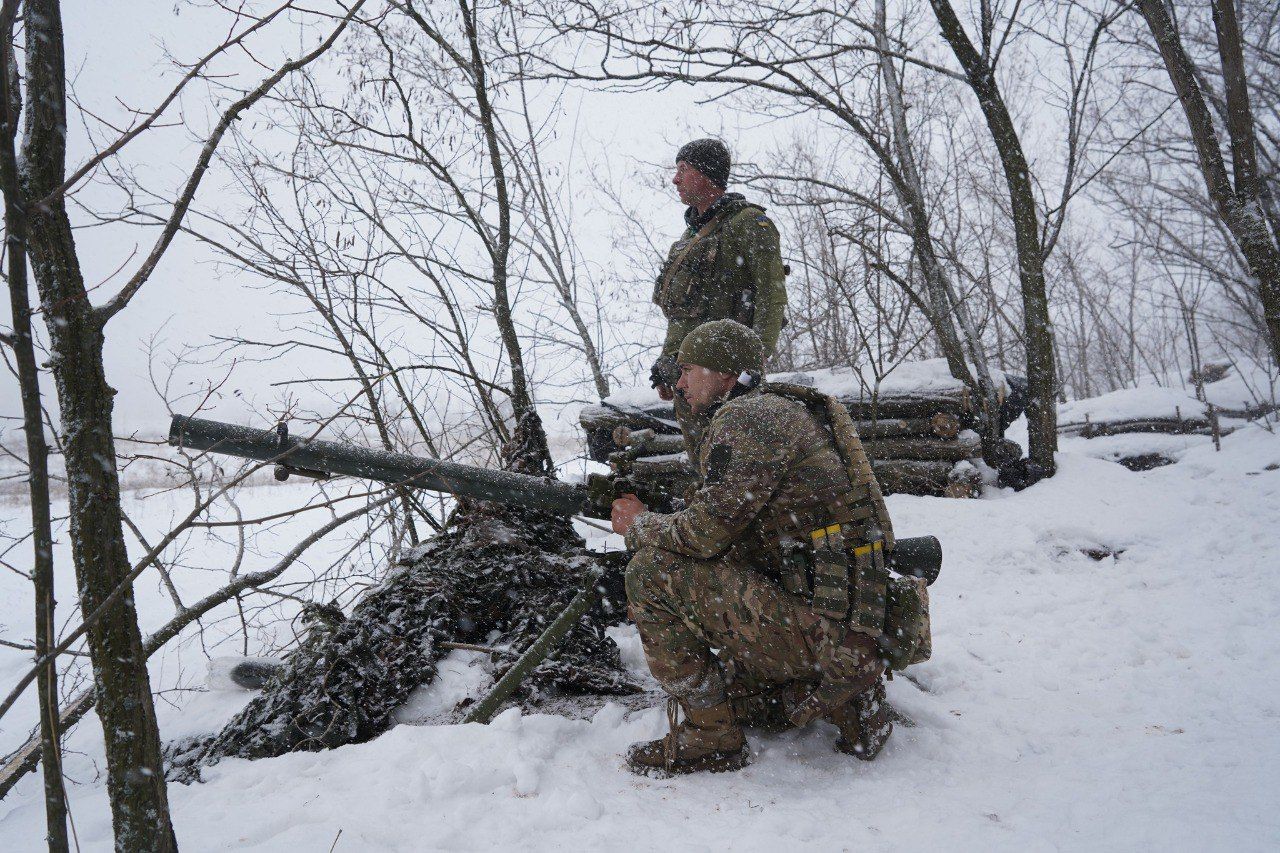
665, 371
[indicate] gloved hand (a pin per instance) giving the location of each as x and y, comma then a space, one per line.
665, 371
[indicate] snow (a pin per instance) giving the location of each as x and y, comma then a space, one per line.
1167, 398
912, 377
1148, 401
929, 376
1130, 444
1072, 703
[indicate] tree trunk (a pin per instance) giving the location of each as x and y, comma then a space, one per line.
37, 448
536, 455
1042, 413
944, 309
912, 477
951, 316
1240, 206
135, 783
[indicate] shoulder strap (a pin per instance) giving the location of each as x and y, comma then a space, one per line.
847, 442
715, 224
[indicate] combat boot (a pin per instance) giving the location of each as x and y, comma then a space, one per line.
865, 723
708, 739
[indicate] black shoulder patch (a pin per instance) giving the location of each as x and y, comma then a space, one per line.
718, 460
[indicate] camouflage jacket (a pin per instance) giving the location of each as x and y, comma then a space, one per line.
771, 473
727, 264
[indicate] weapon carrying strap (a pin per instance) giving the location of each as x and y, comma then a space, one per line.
717, 222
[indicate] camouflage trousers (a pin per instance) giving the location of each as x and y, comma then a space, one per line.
685, 608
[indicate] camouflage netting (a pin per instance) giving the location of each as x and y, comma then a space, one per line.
497, 568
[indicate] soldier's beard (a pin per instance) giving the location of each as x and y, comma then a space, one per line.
699, 409
693, 407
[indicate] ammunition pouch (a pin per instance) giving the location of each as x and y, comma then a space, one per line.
686, 287
853, 585
906, 638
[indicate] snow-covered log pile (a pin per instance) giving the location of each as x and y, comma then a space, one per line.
915, 424
1151, 409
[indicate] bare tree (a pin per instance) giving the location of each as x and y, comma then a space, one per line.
849, 73
811, 57
22, 342
979, 64
1243, 199
76, 330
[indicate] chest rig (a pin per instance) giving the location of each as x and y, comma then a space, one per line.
688, 287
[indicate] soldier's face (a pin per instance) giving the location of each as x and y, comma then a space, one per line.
693, 186
701, 386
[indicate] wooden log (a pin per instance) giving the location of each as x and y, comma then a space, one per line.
945, 425
1168, 426
654, 443
965, 488
942, 425
658, 415
662, 467
924, 449
1248, 411
912, 477
907, 407
942, 415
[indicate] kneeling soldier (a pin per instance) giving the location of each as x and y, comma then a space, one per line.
777, 562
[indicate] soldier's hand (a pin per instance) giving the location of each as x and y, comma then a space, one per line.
664, 372
624, 511
666, 392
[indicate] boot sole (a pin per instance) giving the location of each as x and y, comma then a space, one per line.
716, 762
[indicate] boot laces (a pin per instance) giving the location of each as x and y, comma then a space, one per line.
671, 743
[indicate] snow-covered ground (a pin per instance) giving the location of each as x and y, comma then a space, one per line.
1130, 702
1168, 398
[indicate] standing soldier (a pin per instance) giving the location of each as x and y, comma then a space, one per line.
726, 265
777, 562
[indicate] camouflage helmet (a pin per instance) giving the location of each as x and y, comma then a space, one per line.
726, 346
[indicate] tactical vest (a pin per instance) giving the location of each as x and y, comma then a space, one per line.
830, 534
686, 288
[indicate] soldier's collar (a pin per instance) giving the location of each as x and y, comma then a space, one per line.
696, 220
735, 392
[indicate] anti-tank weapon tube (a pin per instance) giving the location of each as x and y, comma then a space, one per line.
919, 556
322, 459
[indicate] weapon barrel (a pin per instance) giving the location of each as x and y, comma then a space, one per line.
380, 465
917, 557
